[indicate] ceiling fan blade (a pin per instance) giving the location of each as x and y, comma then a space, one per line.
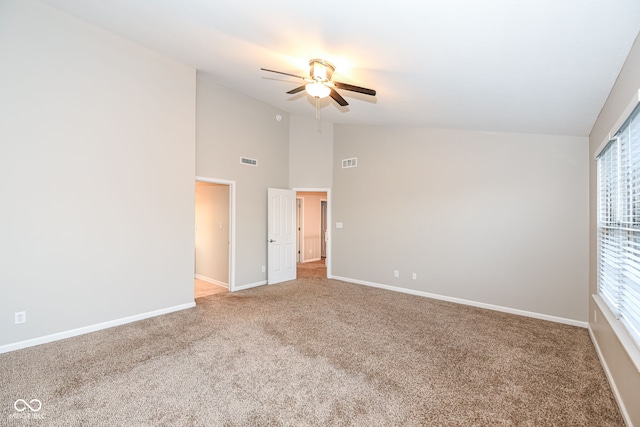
296, 90
280, 72
353, 88
339, 99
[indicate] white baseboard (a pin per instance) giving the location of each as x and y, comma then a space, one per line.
250, 285
91, 328
212, 281
563, 320
616, 392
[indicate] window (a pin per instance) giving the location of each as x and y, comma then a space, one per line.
619, 225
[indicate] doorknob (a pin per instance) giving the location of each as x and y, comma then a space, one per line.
271, 241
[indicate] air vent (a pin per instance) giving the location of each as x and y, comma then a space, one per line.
248, 161
350, 163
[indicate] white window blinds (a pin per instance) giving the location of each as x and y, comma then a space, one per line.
619, 225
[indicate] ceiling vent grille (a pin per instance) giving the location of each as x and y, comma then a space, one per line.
248, 161
350, 163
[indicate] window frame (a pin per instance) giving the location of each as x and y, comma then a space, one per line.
624, 335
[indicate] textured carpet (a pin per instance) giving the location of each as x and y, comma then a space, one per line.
315, 352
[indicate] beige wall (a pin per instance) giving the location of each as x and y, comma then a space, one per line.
310, 153
96, 175
230, 125
493, 218
617, 363
212, 233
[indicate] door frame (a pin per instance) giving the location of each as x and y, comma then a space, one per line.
299, 227
232, 225
329, 228
324, 221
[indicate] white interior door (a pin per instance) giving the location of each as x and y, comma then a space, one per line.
281, 235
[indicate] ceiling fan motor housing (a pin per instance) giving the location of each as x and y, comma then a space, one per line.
321, 70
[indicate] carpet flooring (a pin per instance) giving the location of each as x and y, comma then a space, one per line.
314, 352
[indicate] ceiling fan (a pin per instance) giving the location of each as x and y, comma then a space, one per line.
320, 85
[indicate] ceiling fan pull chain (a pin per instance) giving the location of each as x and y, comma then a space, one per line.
318, 114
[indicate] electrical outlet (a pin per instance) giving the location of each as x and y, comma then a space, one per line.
414, 276
20, 317
264, 268
396, 273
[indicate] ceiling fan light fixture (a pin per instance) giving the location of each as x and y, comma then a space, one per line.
318, 90
320, 84
321, 70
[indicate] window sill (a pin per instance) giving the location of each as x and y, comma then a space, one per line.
623, 336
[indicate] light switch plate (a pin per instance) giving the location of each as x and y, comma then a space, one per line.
20, 317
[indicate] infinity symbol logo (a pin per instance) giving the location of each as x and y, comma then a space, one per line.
22, 405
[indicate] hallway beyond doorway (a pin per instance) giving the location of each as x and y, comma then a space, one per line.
203, 289
314, 269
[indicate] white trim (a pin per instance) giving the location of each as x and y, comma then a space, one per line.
509, 310
300, 234
625, 114
92, 328
251, 285
601, 147
232, 226
635, 100
327, 260
619, 330
607, 372
212, 281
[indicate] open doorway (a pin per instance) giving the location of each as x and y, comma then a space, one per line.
213, 267
312, 213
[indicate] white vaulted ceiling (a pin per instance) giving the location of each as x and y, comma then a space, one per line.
532, 66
